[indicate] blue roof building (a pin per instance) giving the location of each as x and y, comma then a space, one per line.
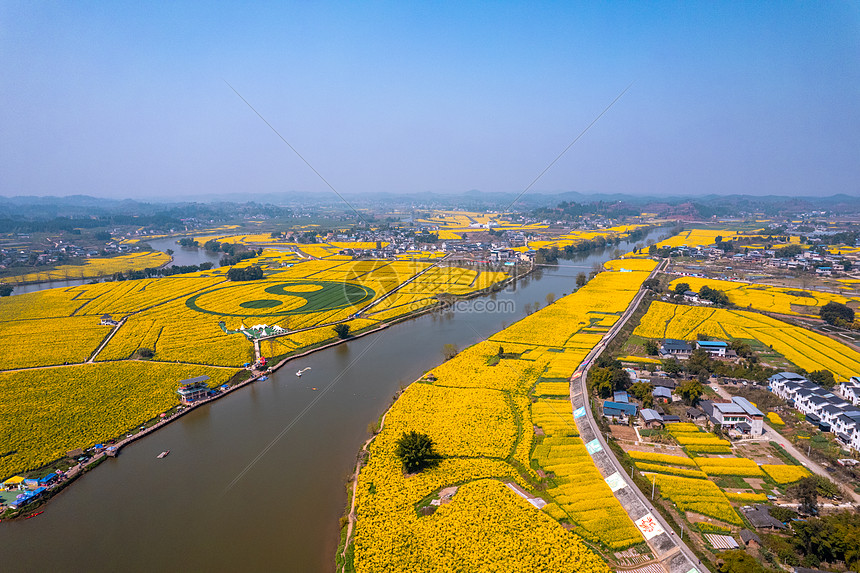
713, 347
618, 409
621, 397
663, 393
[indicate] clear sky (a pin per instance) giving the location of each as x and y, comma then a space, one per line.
126, 99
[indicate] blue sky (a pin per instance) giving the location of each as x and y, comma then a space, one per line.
128, 100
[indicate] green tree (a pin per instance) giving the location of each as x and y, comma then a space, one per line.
806, 492
837, 314
831, 538
739, 561
450, 351
643, 392
416, 451
823, 378
741, 348
789, 251
581, 280
784, 514
690, 391
601, 381
671, 366
342, 330
700, 362
651, 348
6, 290
550, 297
714, 295
620, 378
681, 288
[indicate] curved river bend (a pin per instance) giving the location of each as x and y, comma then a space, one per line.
256, 480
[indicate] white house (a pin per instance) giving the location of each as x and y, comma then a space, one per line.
740, 415
851, 390
822, 407
716, 348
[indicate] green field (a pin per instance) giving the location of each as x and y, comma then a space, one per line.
331, 295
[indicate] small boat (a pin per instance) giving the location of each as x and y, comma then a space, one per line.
263, 378
34, 515
299, 373
163, 454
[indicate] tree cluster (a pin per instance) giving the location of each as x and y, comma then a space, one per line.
416, 452
607, 376
837, 314
788, 251
643, 392
151, 272
239, 256
701, 365
826, 539
716, 296
253, 273
342, 330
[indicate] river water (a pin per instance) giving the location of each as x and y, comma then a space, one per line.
256, 481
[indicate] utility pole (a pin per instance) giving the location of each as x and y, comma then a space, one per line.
653, 486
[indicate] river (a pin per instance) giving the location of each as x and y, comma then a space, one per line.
256, 481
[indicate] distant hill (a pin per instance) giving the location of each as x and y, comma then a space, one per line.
281, 204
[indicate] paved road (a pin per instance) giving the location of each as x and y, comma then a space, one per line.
772, 435
674, 554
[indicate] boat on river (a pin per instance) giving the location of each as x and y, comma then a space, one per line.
163, 454
299, 373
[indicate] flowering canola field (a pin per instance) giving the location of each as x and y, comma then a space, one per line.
767, 298
49, 411
97, 267
808, 350
483, 414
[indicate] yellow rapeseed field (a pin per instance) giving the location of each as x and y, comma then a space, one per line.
48, 412
477, 409
808, 350
697, 495
782, 474
178, 319
780, 300
97, 267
